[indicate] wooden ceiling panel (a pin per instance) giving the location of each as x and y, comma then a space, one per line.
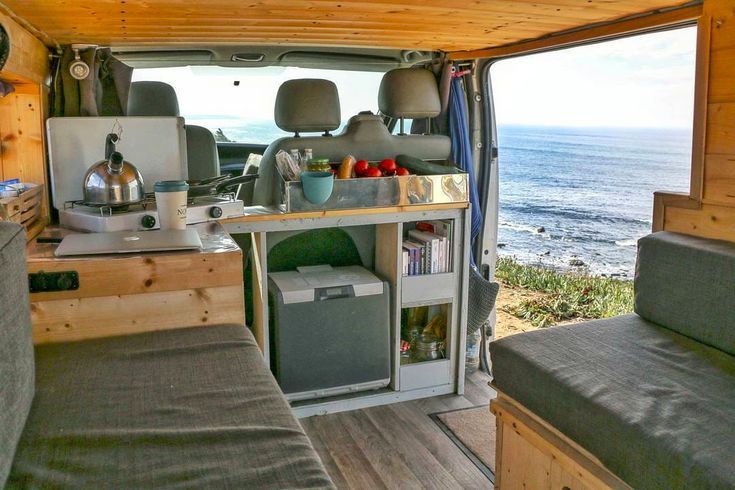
449, 25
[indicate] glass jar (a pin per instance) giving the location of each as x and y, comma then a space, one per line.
319, 165
427, 347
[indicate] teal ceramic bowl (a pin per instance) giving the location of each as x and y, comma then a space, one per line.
317, 186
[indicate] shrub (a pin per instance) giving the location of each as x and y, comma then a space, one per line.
565, 296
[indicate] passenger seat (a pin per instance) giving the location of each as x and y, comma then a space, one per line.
302, 106
159, 99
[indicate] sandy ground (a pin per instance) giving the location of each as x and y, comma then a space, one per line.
507, 324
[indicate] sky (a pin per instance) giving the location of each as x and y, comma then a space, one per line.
640, 81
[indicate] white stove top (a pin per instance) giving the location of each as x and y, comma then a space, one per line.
144, 216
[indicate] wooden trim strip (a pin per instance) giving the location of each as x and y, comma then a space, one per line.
141, 274
571, 456
662, 200
701, 95
626, 25
86, 318
332, 213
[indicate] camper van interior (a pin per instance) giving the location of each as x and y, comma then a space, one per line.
253, 245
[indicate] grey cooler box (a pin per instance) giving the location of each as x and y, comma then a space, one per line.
330, 331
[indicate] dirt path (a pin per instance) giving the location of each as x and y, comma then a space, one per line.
507, 324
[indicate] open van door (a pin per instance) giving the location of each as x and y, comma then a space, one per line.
485, 143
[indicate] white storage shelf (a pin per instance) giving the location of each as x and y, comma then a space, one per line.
408, 381
424, 374
427, 289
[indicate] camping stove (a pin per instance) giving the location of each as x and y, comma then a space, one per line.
144, 216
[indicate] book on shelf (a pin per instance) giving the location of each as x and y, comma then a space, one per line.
443, 228
430, 244
428, 248
414, 257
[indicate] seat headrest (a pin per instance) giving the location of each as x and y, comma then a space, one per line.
152, 99
307, 105
411, 93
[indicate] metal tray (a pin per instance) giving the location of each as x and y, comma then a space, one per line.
378, 192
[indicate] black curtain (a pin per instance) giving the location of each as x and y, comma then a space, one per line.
103, 93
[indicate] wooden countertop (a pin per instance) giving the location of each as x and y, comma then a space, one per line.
260, 213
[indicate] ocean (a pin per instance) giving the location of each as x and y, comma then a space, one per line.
584, 194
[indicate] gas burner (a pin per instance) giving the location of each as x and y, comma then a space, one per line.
149, 201
144, 215
105, 210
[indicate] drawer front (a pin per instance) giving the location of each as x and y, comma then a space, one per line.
428, 288
424, 375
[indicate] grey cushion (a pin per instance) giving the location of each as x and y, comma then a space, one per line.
194, 408
687, 284
657, 408
152, 99
411, 93
307, 105
365, 137
201, 153
16, 348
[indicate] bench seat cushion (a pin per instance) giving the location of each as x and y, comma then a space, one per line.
687, 284
189, 408
16, 347
657, 408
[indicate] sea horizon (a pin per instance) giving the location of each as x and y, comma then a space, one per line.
584, 195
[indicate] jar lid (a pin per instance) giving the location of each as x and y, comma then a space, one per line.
318, 161
170, 186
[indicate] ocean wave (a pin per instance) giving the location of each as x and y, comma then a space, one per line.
574, 214
628, 242
519, 227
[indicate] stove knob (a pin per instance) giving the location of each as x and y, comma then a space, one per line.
148, 221
215, 212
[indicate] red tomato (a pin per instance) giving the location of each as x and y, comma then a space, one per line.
360, 167
372, 172
388, 166
402, 171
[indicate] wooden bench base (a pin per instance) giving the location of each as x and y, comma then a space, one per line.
531, 454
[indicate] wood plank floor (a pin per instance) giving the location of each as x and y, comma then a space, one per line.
398, 446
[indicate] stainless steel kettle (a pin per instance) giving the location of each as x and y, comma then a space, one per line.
113, 181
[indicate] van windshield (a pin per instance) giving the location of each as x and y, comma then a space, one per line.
237, 104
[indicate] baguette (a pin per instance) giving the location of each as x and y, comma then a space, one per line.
345, 170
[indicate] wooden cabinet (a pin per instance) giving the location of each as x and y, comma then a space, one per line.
132, 293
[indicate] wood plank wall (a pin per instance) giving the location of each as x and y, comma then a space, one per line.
23, 112
709, 209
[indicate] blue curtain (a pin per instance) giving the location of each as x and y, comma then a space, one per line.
459, 133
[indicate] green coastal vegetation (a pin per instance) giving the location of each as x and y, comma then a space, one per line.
563, 296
